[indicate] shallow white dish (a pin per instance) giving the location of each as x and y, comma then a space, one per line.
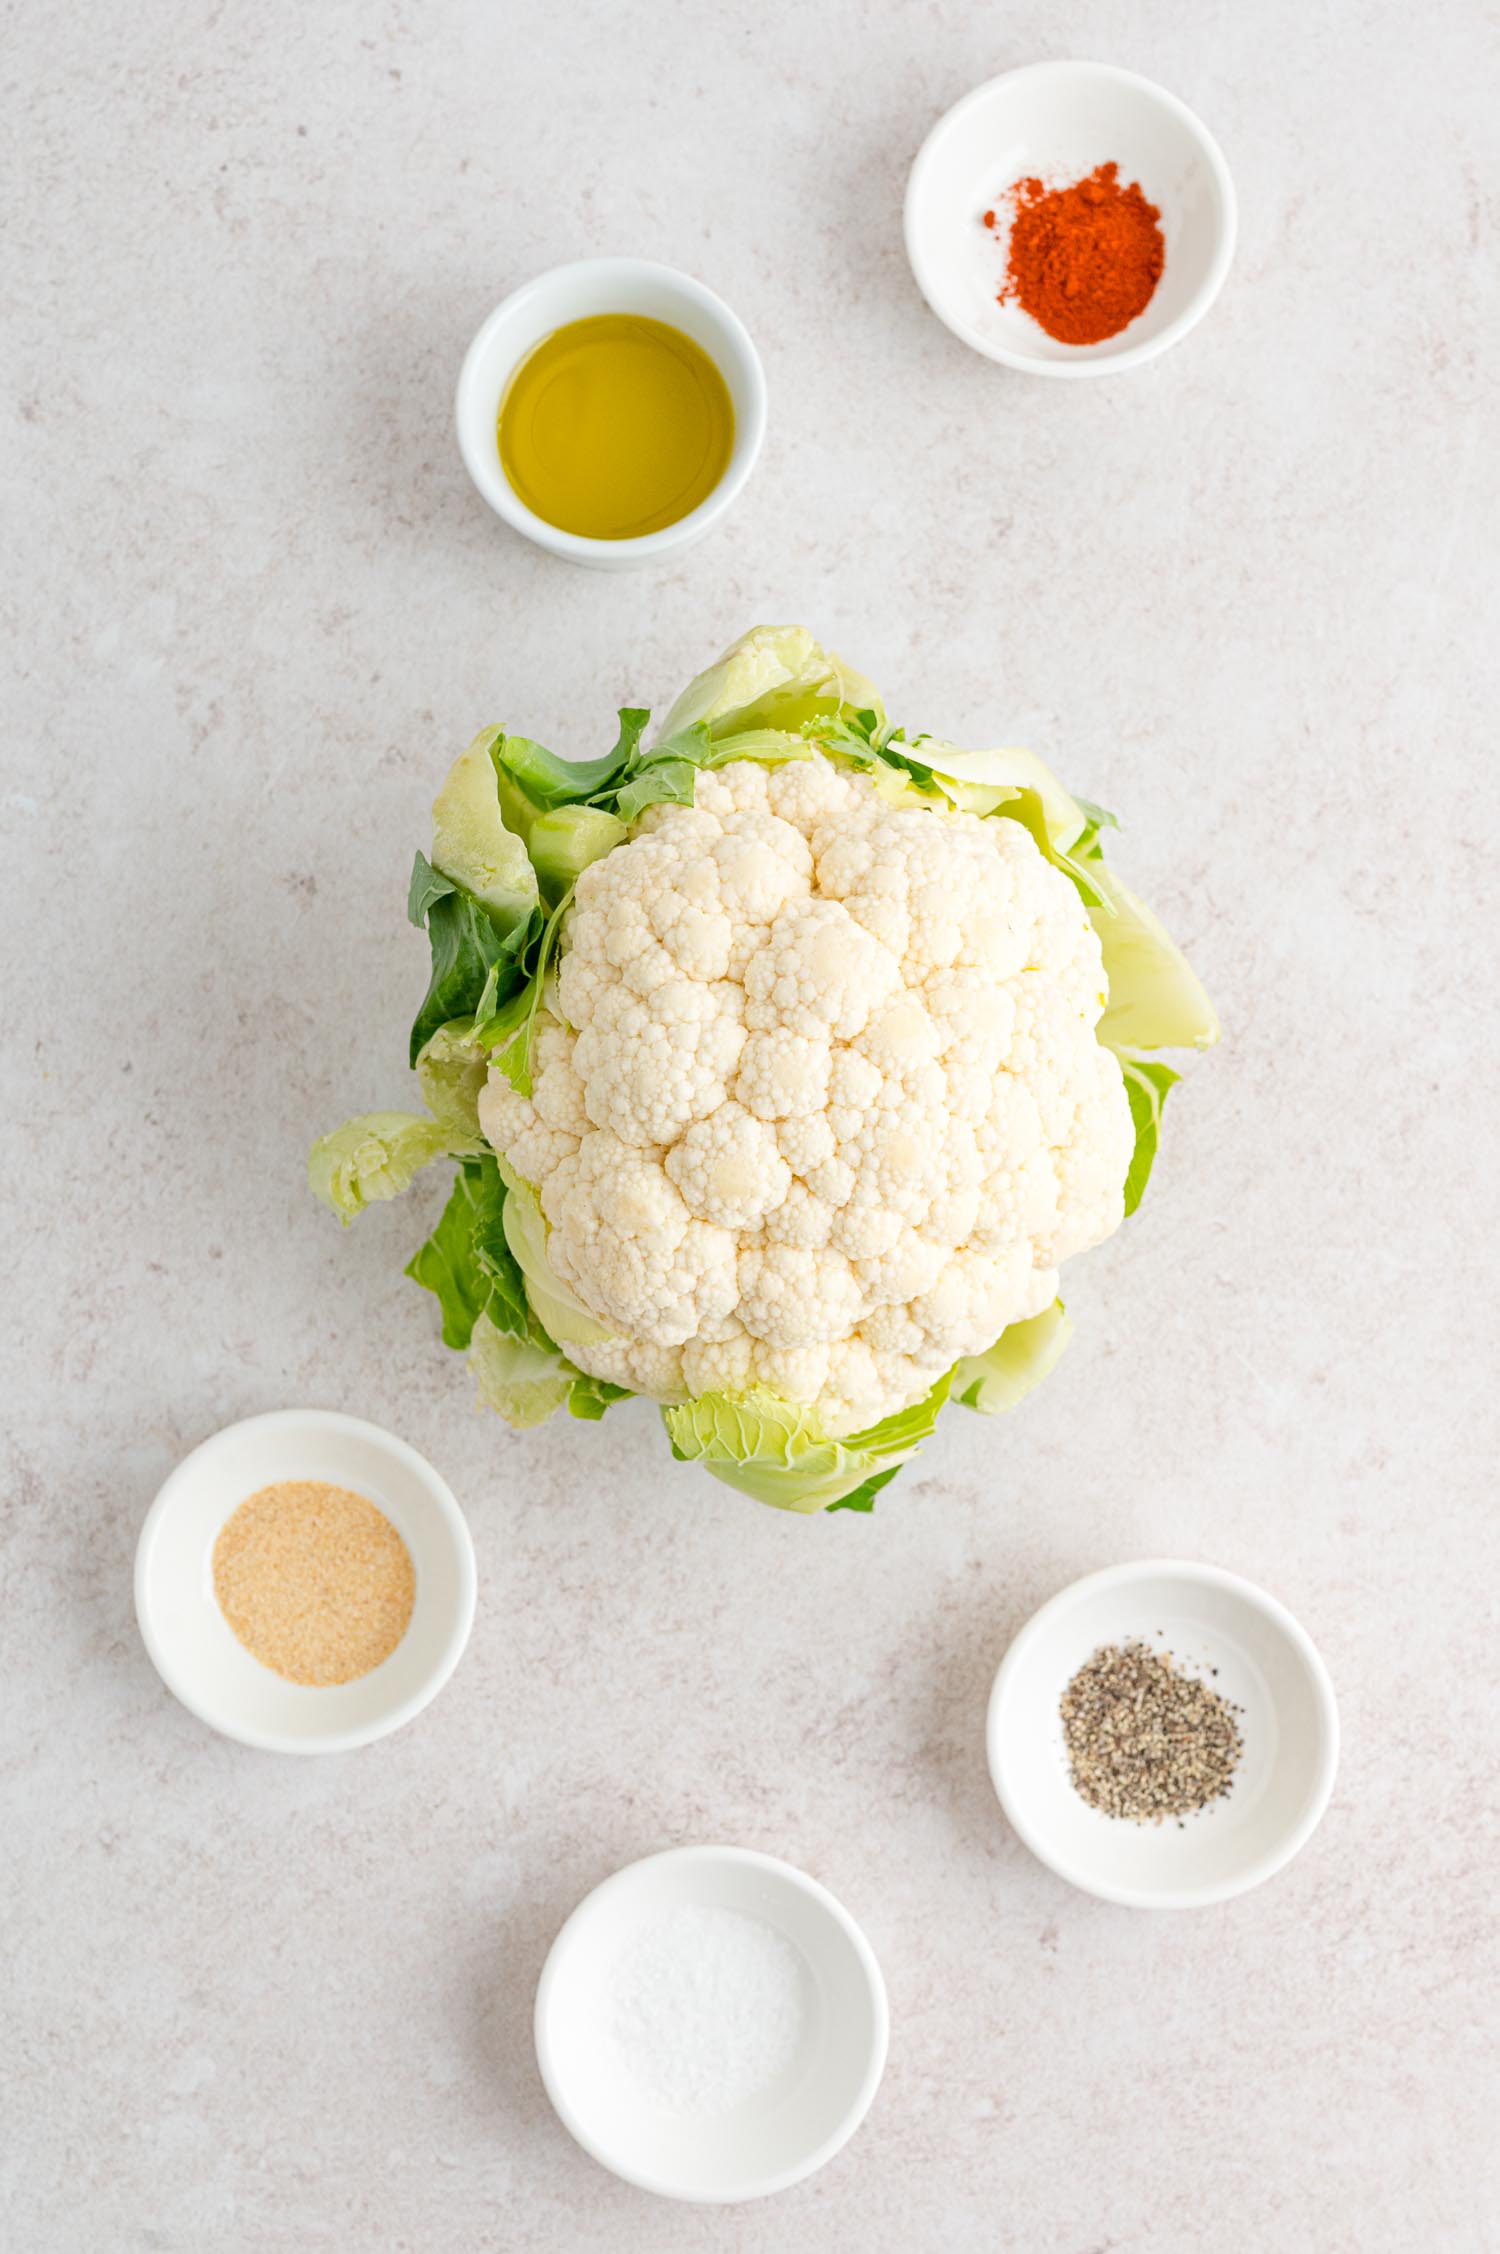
769, 2141
193, 1647
575, 293
1266, 1664
1057, 121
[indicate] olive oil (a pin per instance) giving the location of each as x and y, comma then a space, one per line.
615, 426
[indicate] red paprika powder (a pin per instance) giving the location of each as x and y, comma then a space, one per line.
1084, 260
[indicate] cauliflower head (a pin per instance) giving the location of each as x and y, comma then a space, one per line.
820, 1106
783, 1061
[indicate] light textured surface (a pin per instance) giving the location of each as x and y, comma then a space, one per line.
255, 607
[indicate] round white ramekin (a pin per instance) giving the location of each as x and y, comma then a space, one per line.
575, 293
771, 2141
1058, 121
1260, 1659
193, 1647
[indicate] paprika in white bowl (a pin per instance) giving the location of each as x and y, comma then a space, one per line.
1070, 219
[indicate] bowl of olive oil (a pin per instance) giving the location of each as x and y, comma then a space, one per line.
611, 411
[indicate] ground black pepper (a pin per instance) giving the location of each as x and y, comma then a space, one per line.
1144, 1740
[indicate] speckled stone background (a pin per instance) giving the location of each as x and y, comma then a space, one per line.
253, 608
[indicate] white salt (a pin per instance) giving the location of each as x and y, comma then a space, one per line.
708, 2008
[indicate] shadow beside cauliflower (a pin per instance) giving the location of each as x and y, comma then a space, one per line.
784, 1063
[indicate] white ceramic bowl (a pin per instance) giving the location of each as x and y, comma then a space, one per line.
575, 293
769, 2141
1266, 1664
1058, 121
193, 1647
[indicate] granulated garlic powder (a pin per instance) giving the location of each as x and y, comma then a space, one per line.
315, 1581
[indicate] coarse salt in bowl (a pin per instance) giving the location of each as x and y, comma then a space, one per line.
193, 1647
1058, 122
711, 2024
1225, 1632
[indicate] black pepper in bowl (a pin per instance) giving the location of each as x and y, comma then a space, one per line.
1144, 1740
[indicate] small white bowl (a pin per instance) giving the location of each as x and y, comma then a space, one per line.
1057, 121
1266, 1664
193, 1647
770, 2140
575, 293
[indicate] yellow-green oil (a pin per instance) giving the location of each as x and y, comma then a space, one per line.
615, 426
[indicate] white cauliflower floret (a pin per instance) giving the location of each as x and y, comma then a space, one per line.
975, 1019
719, 1365
580, 984
855, 1086
1040, 1294
863, 1386
806, 1141
1091, 1166
729, 1169
797, 1373
739, 788
801, 1218
635, 1364
784, 1075
512, 1125
934, 890
807, 792
900, 1037
828, 1107
974, 1299
650, 1068
909, 1268
696, 936
819, 969
791, 1295
557, 1090
622, 1236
